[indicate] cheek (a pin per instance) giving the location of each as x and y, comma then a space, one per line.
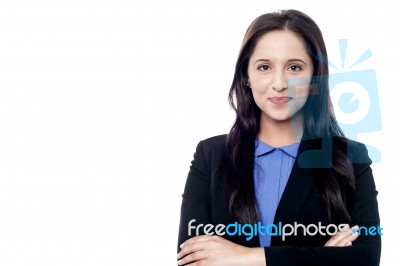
259, 84
302, 90
302, 93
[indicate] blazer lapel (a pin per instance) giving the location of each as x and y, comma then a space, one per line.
297, 190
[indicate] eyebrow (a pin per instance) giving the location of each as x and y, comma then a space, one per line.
290, 60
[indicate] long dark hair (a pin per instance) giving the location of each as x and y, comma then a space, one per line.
336, 182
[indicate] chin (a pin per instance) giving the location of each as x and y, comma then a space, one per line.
285, 119
279, 115
280, 118
284, 116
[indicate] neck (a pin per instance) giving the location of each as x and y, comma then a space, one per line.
281, 133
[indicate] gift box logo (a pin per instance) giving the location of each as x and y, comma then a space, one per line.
355, 99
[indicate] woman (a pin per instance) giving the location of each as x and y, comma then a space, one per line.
284, 162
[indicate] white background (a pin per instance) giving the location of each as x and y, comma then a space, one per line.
102, 104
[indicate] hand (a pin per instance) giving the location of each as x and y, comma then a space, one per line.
215, 250
343, 238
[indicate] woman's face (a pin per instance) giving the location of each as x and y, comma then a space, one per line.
279, 74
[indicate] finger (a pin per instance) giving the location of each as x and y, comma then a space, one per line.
194, 247
344, 242
333, 241
337, 237
342, 238
193, 257
194, 264
351, 237
195, 239
350, 234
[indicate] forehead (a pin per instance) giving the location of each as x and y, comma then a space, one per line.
281, 44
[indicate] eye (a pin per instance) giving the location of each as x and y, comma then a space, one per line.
295, 68
264, 67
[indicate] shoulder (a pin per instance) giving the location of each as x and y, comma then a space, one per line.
214, 142
318, 152
357, 156
211, 149
357, 152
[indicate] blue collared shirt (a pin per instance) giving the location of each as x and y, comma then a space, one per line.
272, 167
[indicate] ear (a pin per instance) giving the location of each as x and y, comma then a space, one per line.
248, 82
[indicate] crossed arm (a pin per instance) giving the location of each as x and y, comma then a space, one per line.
341, 249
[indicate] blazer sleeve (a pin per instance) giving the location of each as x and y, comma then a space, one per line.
196, 196
365, 250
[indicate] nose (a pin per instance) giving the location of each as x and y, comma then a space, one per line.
279, 81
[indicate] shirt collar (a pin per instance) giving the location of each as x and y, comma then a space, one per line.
263, 148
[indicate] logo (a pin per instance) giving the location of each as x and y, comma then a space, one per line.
280, 229
355, 99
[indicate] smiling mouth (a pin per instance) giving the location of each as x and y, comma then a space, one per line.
280, 100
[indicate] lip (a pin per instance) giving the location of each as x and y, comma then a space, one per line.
280, 100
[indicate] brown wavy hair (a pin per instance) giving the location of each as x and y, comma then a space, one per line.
337, 180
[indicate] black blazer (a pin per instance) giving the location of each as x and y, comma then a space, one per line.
203, 200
